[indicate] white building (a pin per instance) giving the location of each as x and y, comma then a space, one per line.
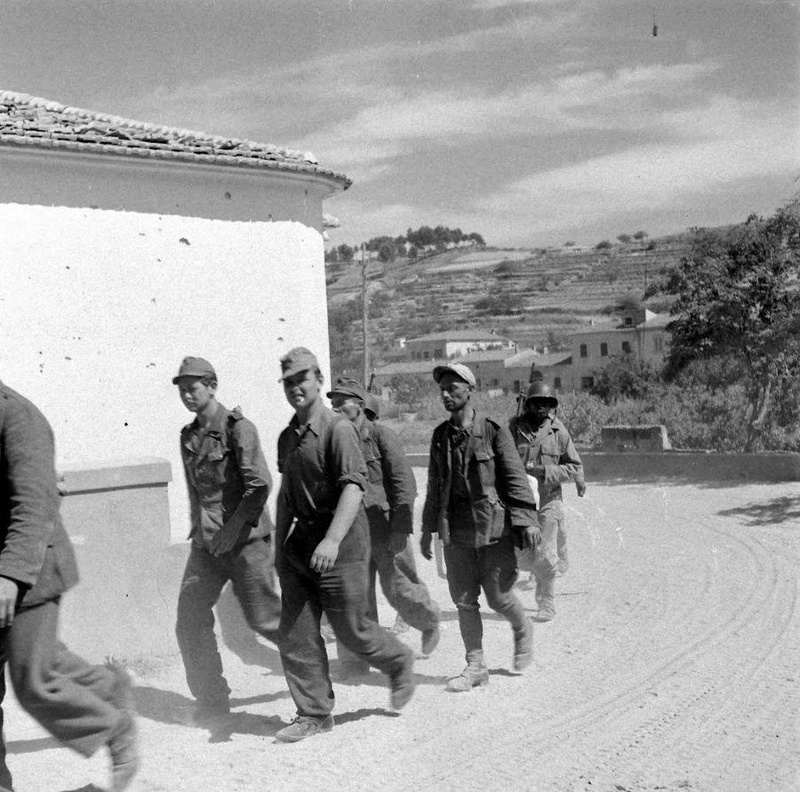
127, 246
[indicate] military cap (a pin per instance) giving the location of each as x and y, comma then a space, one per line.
297, 360
459, 369
346, 386
194, 367
372, 407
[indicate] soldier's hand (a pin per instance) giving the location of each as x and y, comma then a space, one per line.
425, 545
398, 542
9, 590
325, 555
581, 487
531, 536
535, 470
223, 541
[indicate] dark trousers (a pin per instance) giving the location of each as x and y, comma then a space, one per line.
492, 568
341, 594
401, 586
58, 689
251, 571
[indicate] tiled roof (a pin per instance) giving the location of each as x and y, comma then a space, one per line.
461, 335
524, 358
657, 321
31, 121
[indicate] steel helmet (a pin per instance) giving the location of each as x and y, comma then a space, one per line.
539, 390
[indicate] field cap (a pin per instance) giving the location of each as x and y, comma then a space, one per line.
347, 386
297, 360
372, 407
194, 367
459, 369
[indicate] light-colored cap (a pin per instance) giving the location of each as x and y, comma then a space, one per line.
459, 369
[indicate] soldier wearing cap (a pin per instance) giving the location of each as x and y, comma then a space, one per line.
389, 503
322, 536
228, 484
547, 451
481, 505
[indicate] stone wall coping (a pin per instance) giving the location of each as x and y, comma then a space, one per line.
81, 477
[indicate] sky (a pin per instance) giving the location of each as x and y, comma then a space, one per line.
532, 122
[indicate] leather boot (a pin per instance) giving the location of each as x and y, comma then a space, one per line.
545, 599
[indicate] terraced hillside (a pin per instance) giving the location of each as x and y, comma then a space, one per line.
534, 297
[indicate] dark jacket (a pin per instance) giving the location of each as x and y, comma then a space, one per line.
35, 550
391, 488
499, 492
227, 476
549, 447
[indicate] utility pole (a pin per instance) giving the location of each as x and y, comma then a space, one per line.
364, 314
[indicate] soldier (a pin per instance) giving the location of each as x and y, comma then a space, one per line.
85, 707
389, 503
322, 536
548, 454
231, 532
480, 503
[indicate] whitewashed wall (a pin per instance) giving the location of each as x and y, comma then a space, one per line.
98, 307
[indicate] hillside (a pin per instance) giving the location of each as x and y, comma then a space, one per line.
536, 297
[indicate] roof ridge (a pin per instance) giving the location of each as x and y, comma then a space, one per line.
48, 122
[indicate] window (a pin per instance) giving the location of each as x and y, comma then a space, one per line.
587, 383
604, 349
516, 386
557, 383
495, 383
584, 351
626, 347
427, 354
628, 321
438, 353
658, 344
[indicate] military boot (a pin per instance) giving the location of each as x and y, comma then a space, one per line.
545, 593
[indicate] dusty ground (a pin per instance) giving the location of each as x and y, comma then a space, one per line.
672, 664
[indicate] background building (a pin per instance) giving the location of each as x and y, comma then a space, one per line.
454, 343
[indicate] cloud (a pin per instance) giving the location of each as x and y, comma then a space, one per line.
724, 143
623, 99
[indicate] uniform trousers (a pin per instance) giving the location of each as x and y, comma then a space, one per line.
492, 568
400, 584
70, 698
340, 593
249, 568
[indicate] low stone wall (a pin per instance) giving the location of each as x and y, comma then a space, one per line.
117, 516
635, 438
688, 466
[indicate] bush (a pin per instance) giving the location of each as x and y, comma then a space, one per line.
604, 245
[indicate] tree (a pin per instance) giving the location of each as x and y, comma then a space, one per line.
331, 256
624, 238
737, 294
604, 245
345, 252
386, 253
626, 376
640, 235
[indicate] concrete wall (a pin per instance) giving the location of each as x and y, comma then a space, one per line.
98, 307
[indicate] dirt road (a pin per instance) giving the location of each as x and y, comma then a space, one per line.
672, 664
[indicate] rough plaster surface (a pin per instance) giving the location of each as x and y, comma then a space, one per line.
97, 309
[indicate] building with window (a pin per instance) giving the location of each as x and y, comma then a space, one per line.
638, 332
554, 367
455, 343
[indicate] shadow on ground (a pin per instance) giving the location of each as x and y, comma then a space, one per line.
774, 512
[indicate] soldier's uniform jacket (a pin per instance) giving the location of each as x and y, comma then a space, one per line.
226, 476
499, 493
35, 550
391, 489
549, 446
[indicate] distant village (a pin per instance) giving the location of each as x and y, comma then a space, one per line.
500, 365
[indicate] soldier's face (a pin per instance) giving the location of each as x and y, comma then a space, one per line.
194, 394
302, 389
454, 391
538, 409
348, 406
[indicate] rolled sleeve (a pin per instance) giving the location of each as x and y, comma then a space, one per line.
348, 460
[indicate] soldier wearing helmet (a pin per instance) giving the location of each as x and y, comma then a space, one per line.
549, 455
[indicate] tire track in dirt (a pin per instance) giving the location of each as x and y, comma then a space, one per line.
696, 706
